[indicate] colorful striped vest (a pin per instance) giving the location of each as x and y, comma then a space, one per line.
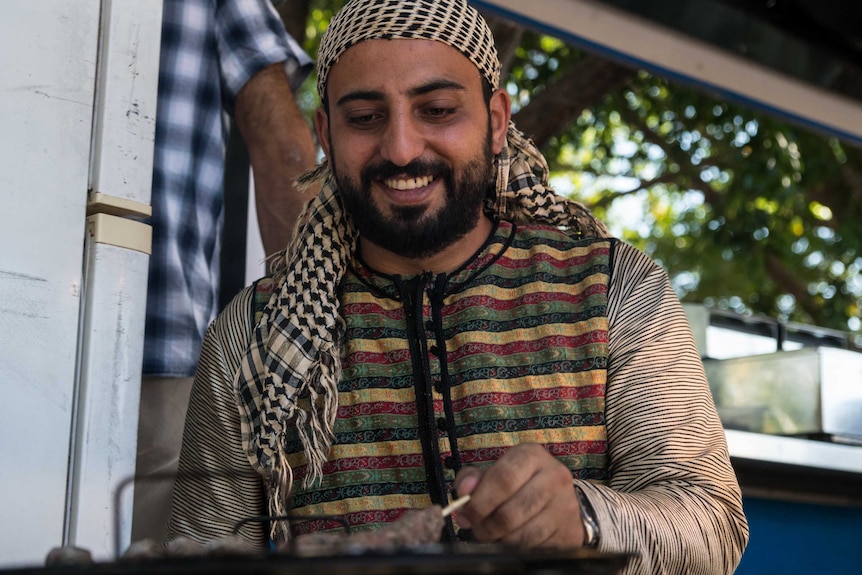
442, 371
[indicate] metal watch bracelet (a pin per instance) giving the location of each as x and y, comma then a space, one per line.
588, 518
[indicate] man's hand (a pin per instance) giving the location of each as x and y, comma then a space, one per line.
526, 499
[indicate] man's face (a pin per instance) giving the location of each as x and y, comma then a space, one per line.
411, 141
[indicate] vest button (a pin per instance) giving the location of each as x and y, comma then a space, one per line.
441, 423
449, 462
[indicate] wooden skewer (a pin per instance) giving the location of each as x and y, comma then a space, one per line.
456, 505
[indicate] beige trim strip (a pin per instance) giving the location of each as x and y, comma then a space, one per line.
120, 232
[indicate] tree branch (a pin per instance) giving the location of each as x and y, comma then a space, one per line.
580, 86
294, 15
677, 156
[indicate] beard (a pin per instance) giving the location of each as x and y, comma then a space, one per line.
411, 231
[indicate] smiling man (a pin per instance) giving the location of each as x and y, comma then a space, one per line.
445, 323
412, 150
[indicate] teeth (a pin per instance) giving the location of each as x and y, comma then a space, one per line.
408, 184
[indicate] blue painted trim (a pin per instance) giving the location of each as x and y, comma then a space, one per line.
630, 60
792, 538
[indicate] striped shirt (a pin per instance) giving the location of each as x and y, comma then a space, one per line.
581, 346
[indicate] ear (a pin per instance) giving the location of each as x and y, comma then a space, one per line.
500, 108
321, 126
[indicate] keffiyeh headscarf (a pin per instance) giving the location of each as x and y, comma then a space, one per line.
290, 373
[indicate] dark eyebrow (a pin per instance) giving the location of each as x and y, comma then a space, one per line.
434, 86
417, 91
359, 95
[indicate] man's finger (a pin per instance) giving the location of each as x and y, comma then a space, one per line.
465, 484
467, 479
491, 512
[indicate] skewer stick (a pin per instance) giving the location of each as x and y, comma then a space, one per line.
456, 505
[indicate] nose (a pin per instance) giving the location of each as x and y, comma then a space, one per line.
403, 141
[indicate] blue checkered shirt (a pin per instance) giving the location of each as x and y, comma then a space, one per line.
209, 50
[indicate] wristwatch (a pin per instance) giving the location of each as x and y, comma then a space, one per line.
588, 519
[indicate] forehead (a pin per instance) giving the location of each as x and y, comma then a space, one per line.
399, 65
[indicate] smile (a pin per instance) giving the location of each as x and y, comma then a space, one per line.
409, 183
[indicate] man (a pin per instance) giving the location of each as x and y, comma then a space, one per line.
217, 56
445, 323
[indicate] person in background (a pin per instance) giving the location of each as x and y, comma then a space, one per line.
444, 324
218, 58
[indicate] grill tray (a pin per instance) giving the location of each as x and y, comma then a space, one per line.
470, 559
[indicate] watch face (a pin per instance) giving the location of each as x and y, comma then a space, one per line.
591, 537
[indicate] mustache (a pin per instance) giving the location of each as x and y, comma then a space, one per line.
414, 169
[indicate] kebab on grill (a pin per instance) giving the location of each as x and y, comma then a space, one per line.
414, 529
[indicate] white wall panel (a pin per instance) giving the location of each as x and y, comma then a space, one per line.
47, 86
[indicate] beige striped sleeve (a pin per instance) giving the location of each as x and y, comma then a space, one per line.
216, 486
673, 497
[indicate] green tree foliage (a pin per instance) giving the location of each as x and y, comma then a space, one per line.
746, 211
